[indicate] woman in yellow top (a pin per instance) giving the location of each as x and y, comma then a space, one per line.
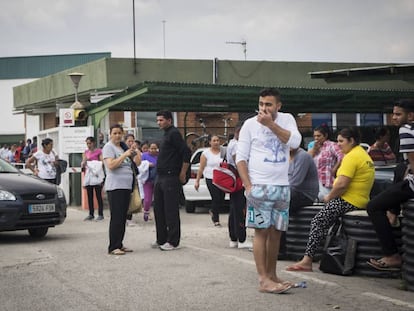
350, 191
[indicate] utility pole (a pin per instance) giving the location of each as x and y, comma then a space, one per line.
133, 32
243, 43
163, 34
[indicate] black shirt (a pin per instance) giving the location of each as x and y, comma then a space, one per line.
173, 152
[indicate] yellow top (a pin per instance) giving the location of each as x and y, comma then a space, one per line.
358, 166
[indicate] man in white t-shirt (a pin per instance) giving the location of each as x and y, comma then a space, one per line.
263, 162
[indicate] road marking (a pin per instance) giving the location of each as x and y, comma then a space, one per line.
389, 299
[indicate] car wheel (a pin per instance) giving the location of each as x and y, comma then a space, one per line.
189, 206
38, 232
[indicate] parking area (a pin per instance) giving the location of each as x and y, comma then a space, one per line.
70, 270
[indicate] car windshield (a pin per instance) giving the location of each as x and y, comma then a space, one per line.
6, 167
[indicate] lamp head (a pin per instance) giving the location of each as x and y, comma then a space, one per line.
76, 77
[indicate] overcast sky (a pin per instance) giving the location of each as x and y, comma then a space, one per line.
275, 30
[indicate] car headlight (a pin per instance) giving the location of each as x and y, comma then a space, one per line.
7, 196
60, 193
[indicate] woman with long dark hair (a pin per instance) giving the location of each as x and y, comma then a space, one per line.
118, 185
211, 158
92, 164
327, 156
350, 191
43, 162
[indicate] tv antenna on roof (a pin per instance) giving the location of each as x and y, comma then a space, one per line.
243, 43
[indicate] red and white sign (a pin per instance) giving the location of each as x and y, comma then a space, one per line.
67, 117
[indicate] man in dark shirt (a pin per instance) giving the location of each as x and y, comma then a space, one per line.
172, 163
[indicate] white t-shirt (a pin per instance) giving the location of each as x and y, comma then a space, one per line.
45, 164
213, 160
266, 156
231, 151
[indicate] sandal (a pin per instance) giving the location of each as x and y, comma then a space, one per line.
380, 264
126, 249
117, 252
279, 289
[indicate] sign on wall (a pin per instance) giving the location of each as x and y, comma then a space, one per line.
73, 138
66, 117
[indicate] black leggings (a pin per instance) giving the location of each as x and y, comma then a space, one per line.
217, 199
118, 204
98, 193
237, 215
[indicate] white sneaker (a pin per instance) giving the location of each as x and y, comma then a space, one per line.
168, 247
245, 244
233, 244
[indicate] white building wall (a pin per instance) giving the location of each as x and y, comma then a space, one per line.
12, 123
32, 126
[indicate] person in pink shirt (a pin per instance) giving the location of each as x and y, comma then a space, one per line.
327, 156
93, 154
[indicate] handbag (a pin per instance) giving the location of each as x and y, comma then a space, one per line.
338, 256
135, 202
226, 177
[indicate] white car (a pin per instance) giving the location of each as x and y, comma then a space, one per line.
201, 197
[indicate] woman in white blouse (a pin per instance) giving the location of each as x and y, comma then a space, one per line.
211, 158
43, 162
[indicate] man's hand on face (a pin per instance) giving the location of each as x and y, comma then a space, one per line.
265, 118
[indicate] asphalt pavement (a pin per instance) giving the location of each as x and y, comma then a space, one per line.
71, 270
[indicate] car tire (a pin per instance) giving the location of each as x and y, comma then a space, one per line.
38, 232
189, 207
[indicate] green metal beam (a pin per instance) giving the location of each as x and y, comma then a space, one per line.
107, 104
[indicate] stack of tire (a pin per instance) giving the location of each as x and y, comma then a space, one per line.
408, 240
358, 226
298, 232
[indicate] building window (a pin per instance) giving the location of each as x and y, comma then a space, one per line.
321, 118
147, 122
371, 119
345, 119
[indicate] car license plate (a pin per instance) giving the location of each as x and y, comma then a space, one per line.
41, 208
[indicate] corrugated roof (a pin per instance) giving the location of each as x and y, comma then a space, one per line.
24, 67
153, 96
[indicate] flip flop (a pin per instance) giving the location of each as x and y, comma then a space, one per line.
275, 290
285, 283
297, 268
126, 249
380, 265
117, 252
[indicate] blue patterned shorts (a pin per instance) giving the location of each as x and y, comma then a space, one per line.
268, 205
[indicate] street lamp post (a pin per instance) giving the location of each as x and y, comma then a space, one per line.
76, 77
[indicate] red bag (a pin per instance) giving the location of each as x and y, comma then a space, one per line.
226, 178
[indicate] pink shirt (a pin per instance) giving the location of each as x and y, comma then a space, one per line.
93, 155
326, 159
